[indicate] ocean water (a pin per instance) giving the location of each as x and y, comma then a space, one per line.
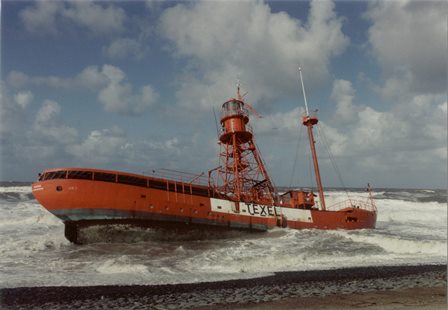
411, 229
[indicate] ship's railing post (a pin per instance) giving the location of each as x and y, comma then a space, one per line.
168, 190
372, 201
175, 190
183, 190
353, 203
180, 176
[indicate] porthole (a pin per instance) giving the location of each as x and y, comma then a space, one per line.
59, 188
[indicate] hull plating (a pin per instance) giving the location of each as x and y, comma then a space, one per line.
88, 201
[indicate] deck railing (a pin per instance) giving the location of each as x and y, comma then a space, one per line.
368, 205
164, 179
180, 176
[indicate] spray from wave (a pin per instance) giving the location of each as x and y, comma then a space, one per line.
411, 229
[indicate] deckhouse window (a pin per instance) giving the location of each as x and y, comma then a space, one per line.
131, 180
171, 187
55, 175
82, 175
105, 177
157, 184
200, 191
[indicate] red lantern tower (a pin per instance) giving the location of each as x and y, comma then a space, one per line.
241, 175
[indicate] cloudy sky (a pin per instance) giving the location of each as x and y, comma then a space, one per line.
132, 86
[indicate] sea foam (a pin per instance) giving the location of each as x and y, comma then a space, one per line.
34, 251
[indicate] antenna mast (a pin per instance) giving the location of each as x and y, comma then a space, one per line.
309, 122
304, 94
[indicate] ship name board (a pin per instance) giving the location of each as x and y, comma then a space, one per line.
252, 209
262, 210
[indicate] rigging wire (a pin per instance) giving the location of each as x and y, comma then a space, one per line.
266, 168
217, 133
332, 160
310, 172
296, 158
216, 122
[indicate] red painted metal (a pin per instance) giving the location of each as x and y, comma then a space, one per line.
309, 122
242, 175
238, 194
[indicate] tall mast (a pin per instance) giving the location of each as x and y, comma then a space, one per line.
309, 122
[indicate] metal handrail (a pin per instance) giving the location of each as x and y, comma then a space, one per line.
368, 205
181, 176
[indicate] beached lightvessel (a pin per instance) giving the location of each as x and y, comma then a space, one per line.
238, 194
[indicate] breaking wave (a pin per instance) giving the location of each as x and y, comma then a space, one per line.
411, 229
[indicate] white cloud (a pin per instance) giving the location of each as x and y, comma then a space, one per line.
101, 146
223, 40
114, 96
113, 74
17, 79
376, 130
48, 125
11, 114
124, 48
343, 93
98, 18
406, 127
152, 5
406, 140
280, 123
41, 17
90, 77
23, 99
27, 143
49, 112
39, 142
118, 95
148, 95
171, 144
112, 147
408, 39
50, 16
115, 93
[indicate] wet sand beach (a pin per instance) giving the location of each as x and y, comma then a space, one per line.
413, 298
392, 287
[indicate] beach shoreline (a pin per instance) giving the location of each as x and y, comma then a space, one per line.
283, 290
432, 298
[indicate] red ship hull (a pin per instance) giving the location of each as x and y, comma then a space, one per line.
81, 197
